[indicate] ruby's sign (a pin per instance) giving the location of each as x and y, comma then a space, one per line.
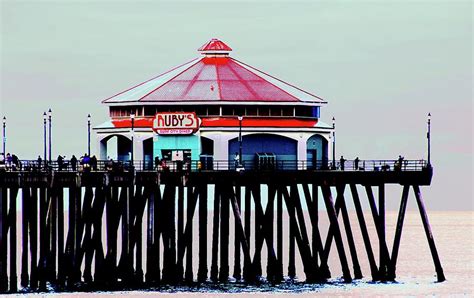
179, 123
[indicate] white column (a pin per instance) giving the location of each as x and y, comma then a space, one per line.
301, 152
102, 147
221, 147
138, 147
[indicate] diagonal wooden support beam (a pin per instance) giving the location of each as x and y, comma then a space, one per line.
97, 246
429, 234
257, 259
337, 232
3, 239
25, 198
215, 234
398, 233
380, 233
303, 246
244, 241
350, 237
312, 204
314, 274
12, 224
237, 268
202, 271
265, 229
365, 234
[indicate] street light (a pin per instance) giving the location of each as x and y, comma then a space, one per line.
89, 134
333, 143
4, 135
44, 128
49, 117
240, 139
132, 117
428, 135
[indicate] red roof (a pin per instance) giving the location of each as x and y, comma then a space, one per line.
212, 78
214, 45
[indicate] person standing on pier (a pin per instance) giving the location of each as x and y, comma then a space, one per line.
60, 163
341, 162
39, 160
73, 163
356, 163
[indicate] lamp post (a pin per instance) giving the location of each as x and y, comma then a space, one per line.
132, 117
240, 139
428, 135
4, 136
89, 134
49, 118
44, 135
333, 143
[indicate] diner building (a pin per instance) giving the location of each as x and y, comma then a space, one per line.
198, 110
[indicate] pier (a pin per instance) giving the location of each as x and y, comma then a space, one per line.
118, 226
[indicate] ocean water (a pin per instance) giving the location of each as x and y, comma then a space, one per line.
454, 237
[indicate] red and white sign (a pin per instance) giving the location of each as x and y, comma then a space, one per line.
179, 123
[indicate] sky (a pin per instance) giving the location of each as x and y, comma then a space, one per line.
381, 65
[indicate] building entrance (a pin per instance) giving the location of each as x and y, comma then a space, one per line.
176, 155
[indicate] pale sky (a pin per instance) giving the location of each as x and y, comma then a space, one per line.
381, 65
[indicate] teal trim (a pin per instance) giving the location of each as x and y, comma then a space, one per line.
177, 142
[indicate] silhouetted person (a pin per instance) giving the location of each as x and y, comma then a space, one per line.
399, 162
356, 163
60, 162
40, 161
93, 162
342, 161
15, 162
236, 159
157, 162
73, 163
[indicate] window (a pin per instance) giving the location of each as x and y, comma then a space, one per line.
227, 111
213, 111
263, 111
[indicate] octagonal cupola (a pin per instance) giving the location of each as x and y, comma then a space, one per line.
215, 47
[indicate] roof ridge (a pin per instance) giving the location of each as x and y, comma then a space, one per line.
170, 79
297, 99
249, 66
162, 74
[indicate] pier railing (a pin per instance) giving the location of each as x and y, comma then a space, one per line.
214, 165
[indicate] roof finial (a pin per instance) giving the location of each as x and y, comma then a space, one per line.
215, 46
